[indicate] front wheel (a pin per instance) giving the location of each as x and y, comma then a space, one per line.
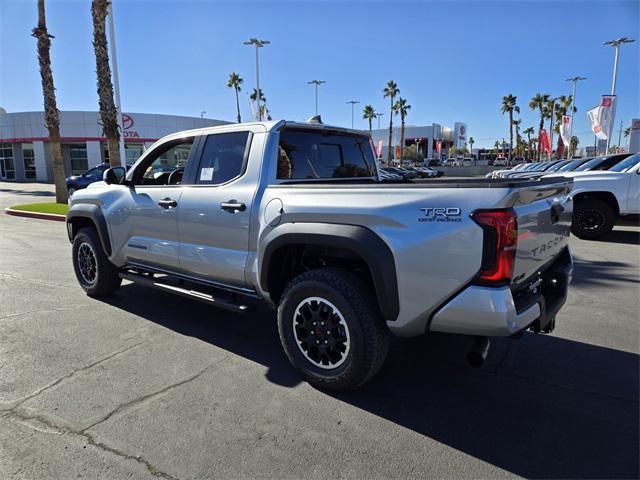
592, 219
96, 274
331, 329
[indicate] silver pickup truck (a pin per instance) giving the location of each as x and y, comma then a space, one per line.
294, 214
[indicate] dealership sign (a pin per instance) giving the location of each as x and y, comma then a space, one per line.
127, 124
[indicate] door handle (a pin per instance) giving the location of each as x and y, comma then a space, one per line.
168, 203
233, 206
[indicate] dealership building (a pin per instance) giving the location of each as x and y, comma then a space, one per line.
25, 154
426, 137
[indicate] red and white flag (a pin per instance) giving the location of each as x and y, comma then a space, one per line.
565, 130
601, 117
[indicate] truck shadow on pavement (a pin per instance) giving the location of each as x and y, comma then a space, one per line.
602, 273
542, 407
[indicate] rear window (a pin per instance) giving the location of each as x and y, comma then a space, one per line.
590, 164
626, 163
307, 155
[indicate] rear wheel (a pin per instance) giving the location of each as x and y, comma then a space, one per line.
95, 273
592, 219
331, 329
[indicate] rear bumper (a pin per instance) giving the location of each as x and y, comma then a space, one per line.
500, 312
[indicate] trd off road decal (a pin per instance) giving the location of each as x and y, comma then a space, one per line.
440, 214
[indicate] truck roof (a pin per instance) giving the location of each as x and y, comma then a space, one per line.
268, 126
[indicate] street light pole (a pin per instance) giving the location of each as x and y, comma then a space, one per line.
553, 114
353, 104
316, 83
574, 80
615, 44
378, 115
116, 85
258, 44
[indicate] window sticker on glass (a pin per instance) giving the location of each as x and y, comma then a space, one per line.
206, 174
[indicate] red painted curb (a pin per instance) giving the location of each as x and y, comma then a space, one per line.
39, 216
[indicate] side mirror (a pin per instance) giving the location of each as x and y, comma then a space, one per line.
114, 175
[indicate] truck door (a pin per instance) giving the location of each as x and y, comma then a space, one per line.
214, 211
145, 228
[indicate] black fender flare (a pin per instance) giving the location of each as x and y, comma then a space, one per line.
93, 213
360, 240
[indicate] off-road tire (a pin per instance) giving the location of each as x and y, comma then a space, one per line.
369, 336
592, 219
102, 280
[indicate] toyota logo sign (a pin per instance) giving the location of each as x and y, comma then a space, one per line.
127, 121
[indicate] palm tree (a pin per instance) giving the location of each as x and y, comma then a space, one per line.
51, 113
369, 113
234, 82
401, 107
390, 90
509, 106
539, 102
528, 131
471, 142
264, 111
574, 144
108, 111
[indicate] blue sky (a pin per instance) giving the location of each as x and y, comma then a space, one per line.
452, 60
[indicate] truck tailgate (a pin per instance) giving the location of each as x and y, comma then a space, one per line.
544, 223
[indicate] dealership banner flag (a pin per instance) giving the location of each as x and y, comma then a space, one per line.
601, 117
544, 141
565, 130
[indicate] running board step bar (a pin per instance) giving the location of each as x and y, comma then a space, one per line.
160, 284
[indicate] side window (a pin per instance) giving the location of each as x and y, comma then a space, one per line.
94, 173
223, 157
311, 155
165, 165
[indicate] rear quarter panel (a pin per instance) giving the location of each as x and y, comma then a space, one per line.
435, 255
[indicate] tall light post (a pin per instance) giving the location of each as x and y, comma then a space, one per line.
615, 44
553, 114
353, 104
573, 80
116, 84
378, 115
258, 44
316, 83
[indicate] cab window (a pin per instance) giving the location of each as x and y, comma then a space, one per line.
165, 165
223, 157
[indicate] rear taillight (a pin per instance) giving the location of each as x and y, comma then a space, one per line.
499, 245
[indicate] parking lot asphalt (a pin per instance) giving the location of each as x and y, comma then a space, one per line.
145, 384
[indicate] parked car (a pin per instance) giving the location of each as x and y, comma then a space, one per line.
500, 162
467, 162
601, 197
346, 260
78, 182
386, 176
518, 161
433, 162
602, 163
424, 172
403, 172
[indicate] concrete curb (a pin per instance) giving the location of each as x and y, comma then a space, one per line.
41, 216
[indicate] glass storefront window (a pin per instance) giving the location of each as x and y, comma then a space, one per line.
79, 161
29, 161
132, 152
7, 167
